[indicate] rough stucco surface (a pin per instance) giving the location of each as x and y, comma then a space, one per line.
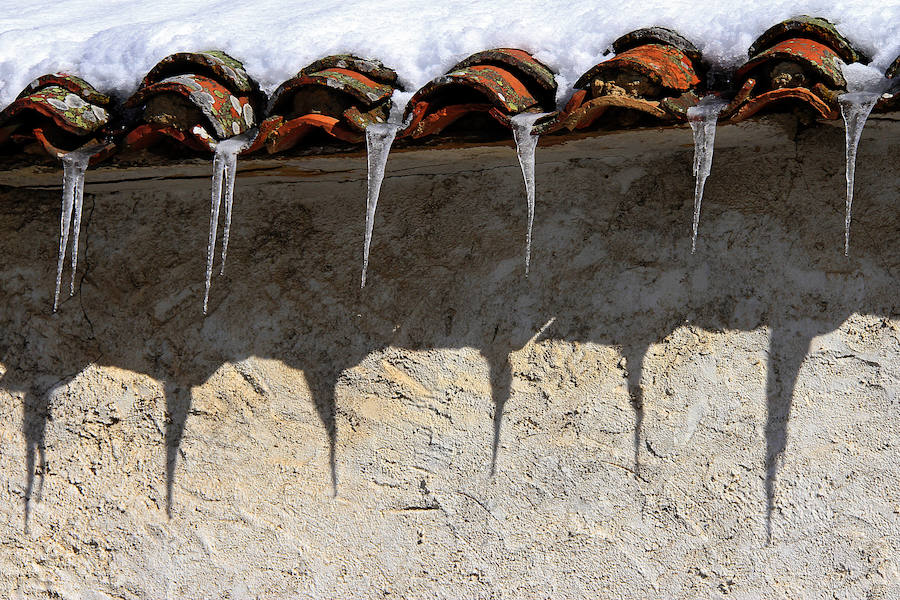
655, 413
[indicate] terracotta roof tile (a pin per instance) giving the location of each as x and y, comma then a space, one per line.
195, 99
498, 83
55, 113
797, 61
338, 96
655, 75
539, 79
809, 28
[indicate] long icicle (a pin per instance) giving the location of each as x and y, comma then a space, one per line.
379, 139
526, 143
703, 119
217, 180
74, 165
855, 108
76, 226
224, 172
230, 174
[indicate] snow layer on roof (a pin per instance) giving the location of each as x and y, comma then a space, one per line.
114, 43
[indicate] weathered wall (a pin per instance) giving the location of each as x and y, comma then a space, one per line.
664, 424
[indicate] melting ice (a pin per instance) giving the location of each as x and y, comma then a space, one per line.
865, 84
703, 119
379, 139
74, 165
526, 143
224, 171
855, 108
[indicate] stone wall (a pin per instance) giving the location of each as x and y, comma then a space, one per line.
629, 421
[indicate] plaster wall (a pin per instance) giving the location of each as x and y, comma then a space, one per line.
630, 421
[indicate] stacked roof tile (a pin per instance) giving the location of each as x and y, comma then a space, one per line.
190, 101
337, 96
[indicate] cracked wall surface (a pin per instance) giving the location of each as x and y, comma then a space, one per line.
629, 421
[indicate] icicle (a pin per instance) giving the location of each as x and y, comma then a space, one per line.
703, 118
76, 223
74, 165
218, 176
224, 172
855, 108
379, 139
526, 143
230, 172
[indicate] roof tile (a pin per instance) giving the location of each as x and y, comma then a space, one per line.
500, 83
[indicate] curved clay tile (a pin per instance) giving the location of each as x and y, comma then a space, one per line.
371, 68
215, 64
194, 98
799, 61
338, 96
58, 113
655, 74
658, 35
809, 28
500, 83
663, 65
537, 77
812, 55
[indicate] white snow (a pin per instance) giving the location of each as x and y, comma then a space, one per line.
865, 78
114, 43
703, 119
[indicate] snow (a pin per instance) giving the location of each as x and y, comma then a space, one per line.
114, 43
703, 119
864, 78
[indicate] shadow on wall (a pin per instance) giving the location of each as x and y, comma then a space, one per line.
609, 267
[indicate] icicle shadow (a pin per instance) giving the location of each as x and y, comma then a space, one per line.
34, 427
501, 389
322, 386
509, 336
634, 354
178, 405
855, 109
787, 351
703, 119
